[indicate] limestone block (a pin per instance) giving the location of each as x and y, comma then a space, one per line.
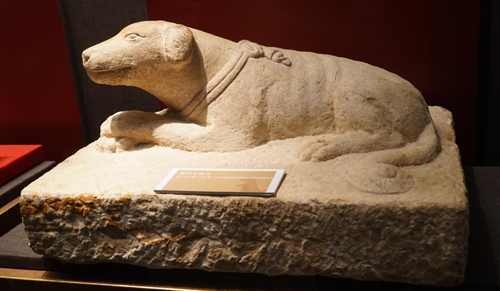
100, 207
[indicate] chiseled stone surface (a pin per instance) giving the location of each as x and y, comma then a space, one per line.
100, 207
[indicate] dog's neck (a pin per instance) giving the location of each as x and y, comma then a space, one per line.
215, 51
188, 89
225, 76
183, 82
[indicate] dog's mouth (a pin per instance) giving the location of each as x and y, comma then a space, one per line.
110, 75
110, 69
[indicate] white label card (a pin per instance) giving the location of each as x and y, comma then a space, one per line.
252, 182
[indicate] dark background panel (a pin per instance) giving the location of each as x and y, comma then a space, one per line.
87, 23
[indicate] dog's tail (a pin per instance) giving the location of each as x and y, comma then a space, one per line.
425, 149
378, 171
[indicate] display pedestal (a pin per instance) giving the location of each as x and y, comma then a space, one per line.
99, 207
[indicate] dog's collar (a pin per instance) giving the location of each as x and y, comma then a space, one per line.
228, 73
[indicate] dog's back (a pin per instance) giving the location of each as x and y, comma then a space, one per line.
319, 94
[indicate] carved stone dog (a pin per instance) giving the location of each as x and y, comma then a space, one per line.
227, 96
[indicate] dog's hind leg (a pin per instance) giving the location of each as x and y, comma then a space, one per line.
380, 172
330, 146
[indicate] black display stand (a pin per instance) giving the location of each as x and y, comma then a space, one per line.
488, 103
9, 195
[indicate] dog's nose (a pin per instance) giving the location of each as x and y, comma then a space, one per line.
85, 58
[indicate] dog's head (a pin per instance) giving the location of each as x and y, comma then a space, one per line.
138, 51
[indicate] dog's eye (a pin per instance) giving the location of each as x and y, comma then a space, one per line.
133, 36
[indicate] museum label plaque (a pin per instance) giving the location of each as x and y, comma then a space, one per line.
253, 182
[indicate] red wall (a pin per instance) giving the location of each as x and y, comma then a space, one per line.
37, 97
433, 44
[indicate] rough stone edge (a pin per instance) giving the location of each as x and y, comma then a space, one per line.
422, 245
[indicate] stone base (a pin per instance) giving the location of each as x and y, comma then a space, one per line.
97, 207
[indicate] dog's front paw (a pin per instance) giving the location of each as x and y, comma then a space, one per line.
115, 145
132, 123
112, 126
106, 144
106, 128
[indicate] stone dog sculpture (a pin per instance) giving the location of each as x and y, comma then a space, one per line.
226, 96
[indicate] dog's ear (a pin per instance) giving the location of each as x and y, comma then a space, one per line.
178, 43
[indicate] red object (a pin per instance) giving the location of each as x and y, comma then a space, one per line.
15, 159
